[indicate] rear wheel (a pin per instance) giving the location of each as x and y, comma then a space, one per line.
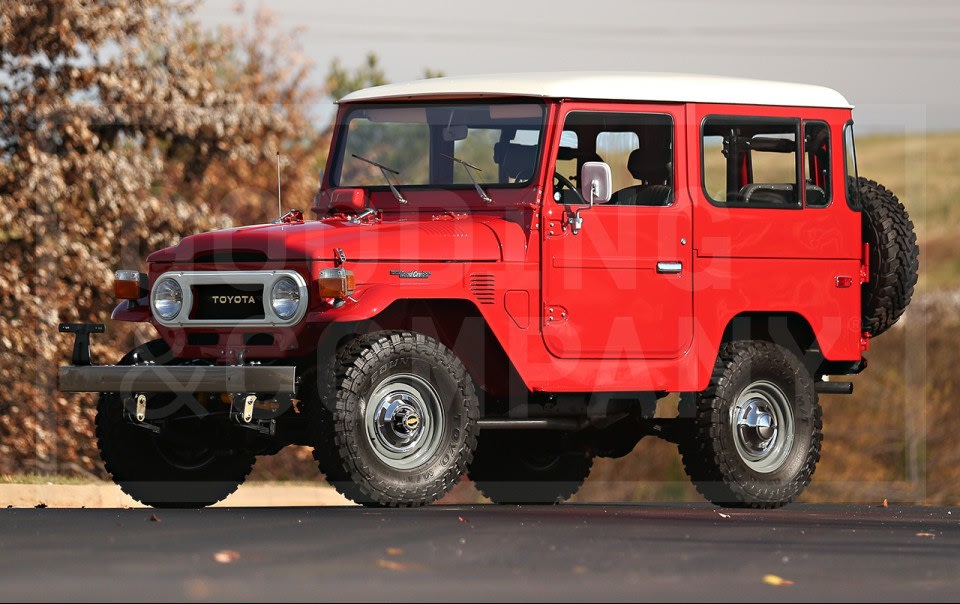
526, 467
394, 420
757, 435
179, 467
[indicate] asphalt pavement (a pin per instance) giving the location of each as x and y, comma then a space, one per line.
561, 553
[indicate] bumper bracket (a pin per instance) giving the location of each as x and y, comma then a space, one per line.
81, 344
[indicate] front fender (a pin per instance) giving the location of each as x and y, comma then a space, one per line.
373, 301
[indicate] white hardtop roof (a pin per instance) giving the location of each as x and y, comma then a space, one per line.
628, 86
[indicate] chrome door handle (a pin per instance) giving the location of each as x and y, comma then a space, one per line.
669, 267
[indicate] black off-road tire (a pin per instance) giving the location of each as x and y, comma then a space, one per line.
709, 451
344, 447
894, 257
512, 467
141, 462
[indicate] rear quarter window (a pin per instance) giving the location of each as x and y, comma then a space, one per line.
751, 162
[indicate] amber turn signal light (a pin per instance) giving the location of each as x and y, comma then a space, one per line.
336, 283
129, 285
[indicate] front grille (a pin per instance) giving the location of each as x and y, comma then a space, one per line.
217, 302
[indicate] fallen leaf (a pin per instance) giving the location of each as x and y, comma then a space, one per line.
154, 518
398, 566
394, 551
776, 581
40, 505
226, 556
931, 535
579, 570
884, 504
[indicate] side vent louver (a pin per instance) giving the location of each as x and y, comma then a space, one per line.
482, 285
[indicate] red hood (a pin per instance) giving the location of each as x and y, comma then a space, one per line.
439, 238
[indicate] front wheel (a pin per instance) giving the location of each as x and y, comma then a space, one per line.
394, 420
182, 466
757, 435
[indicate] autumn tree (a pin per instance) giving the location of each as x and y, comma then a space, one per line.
125, 126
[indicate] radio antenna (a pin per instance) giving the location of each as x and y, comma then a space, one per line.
279, 199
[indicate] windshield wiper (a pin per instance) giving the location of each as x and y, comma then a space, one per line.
466, 168
386, 176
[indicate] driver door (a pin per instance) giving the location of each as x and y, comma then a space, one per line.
622, 287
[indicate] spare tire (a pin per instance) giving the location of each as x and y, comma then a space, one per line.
894, 256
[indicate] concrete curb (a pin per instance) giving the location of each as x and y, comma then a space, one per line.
110, 496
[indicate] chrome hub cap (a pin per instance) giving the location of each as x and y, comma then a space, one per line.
404, 421
763, 426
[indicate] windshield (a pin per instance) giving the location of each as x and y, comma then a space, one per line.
427, 145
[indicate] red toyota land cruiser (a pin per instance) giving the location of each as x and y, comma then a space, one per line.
503, 277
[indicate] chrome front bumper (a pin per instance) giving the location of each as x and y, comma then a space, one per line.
165, 378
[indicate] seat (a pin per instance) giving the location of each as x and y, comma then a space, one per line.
647, 165
515, 161
816, 196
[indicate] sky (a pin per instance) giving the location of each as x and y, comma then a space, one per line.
896, 61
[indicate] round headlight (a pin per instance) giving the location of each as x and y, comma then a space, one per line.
285, 298
167, 299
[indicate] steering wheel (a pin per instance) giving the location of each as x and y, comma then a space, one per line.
559, 182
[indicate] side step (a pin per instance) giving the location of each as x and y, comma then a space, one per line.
550, 423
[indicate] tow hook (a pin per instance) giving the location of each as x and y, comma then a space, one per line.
247, 415
241, 413
135, 409
141, 413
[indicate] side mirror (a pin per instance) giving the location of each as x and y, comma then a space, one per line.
596, 182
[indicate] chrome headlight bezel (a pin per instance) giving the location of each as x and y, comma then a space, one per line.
285, 298
166, 299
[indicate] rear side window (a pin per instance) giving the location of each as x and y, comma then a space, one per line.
751, 162
816, 142
850, 168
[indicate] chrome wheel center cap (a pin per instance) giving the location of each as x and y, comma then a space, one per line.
406, 420
757, 426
